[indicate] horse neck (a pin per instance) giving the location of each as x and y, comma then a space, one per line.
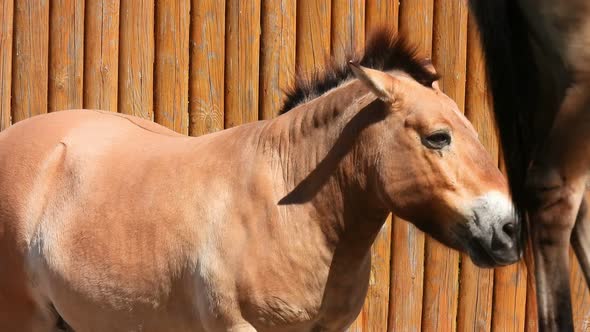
325, 165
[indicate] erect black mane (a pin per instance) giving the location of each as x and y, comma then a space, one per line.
384, 51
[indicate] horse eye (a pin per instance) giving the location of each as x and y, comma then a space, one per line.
437, 140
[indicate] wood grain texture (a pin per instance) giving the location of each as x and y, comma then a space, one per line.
101, 55
348, 29
450, 47
580, 295
407, 277
475, 297
478, 108
66, 54
207, 67
407, 242
476, 285
373, 316
242, 50
531, 315
416, 23
30, 58
136, 58
381, 13
313, 35
579, 291
6, 38
509, 309
172, 64
442, 263
277, 54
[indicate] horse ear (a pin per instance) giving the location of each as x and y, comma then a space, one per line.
430, 68
375, 80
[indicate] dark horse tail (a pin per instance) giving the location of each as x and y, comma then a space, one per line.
513, 78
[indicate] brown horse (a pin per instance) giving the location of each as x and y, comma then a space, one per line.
538, 59
113, 223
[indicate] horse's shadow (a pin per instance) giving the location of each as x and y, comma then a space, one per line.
310, 186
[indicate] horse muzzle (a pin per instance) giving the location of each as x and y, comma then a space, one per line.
495, 231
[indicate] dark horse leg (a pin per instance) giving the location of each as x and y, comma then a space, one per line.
557, 182
581, 238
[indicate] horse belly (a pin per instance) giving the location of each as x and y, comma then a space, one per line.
88, 306
111, 274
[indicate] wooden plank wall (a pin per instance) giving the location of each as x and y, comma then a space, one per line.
198, 66
6, 40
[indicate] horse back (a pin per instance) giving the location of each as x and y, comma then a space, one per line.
37, 154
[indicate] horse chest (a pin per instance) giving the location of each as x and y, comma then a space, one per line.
331, 305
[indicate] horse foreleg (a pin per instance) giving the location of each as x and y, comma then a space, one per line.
557, 182
550, 244
581, 239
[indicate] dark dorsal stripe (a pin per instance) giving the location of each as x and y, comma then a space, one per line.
384, 51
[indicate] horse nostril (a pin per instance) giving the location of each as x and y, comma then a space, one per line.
509, 229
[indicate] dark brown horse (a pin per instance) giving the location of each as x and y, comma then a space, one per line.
538, 59
113, 223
